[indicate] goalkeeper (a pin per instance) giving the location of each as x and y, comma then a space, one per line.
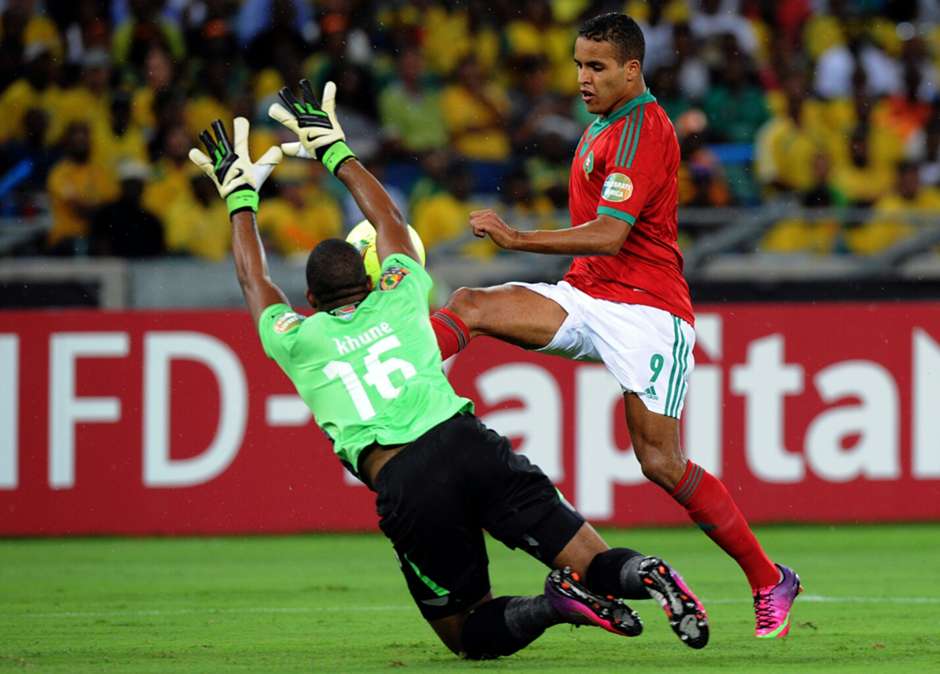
367, 365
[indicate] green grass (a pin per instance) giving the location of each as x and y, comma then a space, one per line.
337, 603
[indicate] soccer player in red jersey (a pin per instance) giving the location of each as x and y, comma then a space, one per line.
624, 300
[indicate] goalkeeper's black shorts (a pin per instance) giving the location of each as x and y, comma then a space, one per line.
439, 493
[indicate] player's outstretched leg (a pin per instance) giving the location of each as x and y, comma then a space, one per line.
772, 604
704, 497
627, 573
774, 587
579, 606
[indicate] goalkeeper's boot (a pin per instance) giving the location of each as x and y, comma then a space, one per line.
772, 604
685, 612
579, 606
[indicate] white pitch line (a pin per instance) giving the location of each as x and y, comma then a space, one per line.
811, 598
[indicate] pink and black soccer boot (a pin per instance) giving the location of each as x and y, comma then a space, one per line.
685, 612
580, 606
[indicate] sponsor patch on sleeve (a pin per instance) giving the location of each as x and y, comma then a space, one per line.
617, 187
287, 322
391, 277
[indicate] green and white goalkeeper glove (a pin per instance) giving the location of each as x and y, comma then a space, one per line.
235, 176
318, 131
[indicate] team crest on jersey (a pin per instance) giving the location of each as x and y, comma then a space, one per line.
391, 277
287, 322
589, 164
617, 187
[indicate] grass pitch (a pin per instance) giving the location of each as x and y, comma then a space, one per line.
337, 603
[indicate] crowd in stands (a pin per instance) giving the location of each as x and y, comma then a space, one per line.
827, 103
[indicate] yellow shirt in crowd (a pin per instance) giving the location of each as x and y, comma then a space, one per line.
463, 111
70, 183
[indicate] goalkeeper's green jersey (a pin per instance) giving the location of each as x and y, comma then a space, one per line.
370, 373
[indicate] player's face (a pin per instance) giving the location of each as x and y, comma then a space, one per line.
603, 82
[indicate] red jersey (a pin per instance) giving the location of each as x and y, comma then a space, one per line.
626, 166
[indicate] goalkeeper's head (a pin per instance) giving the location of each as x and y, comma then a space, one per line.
336, 275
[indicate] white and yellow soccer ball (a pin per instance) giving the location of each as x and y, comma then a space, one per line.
362, 236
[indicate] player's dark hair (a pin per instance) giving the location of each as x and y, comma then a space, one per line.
621, 31
335, 270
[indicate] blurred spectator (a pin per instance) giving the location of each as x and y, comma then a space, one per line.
550, 169
535, 34
701, 180
434, 166
352, 214
23, 29
657, 32
77, 188
475, 111
124, 227
118, 141
158, 79
89, 100
142, 30
904, 112
36, 88
256, 17
862, 180
826, 28
534, 110
412, 119
197, 223
356, 105
715, 18
302, 214
889, 224
842, 117
665, 84
33, 156
285, 23
836, 65
171, 179
209, 29
810, 234
85, 28
211, 101
692, 71
454, 34
445, 216
735, 106
786, 144
924, 147
522, 207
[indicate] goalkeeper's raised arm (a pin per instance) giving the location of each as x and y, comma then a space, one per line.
238, 181
320, 136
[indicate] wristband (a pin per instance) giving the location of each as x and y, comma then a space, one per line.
242, 200
335, 155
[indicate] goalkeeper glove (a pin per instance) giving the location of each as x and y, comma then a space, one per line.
316, 126
234, 175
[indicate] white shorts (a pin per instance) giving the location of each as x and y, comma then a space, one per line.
648, 350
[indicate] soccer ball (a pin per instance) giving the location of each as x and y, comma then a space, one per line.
362, 236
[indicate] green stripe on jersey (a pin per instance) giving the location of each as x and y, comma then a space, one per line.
636, 136
614, 213
623, 134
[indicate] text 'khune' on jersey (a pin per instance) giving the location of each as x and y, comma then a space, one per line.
370, 374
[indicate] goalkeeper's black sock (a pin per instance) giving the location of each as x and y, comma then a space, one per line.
615, 572
506, 625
